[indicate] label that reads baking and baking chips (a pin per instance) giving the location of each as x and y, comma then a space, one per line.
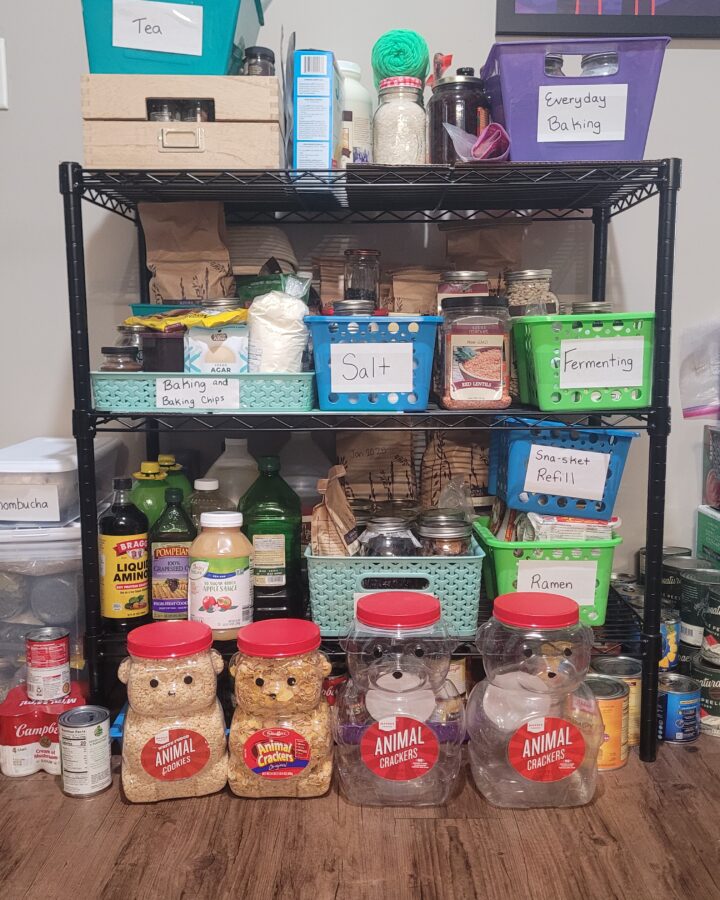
123, 575
546, 749
399, 748
158, 27
269, 560
371, 367
576, 112
277, 753
566, 472
169, 579
571, 578
29, 503
186, 392
174, 754
601, 362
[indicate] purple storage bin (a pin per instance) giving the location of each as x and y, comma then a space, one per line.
515, 72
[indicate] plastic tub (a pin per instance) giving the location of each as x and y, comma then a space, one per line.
517, 85
39, 480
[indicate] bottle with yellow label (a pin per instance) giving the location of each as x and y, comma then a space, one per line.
123, 551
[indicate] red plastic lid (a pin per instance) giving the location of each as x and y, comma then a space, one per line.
536, 610
398, 609
166, 640
274, 638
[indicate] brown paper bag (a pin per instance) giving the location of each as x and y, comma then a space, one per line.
414, 291
450, 454
379, 465
333, 526
186, 253
489, 247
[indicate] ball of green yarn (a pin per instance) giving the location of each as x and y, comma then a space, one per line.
400, 53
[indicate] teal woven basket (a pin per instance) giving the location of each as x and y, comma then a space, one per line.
136, 392
335, 583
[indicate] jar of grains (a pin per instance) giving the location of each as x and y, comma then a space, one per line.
445, 536
475, 356
389, 536
528, 293
399, 123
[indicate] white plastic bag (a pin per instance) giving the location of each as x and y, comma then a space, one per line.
277, 330
700, 370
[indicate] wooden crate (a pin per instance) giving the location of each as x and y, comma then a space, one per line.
246, 133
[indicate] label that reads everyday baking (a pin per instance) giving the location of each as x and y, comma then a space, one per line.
547, 749
158, 27
185, 392
577, 112
574, 579
399, 748
566, 472
602, 362
29, 503
371, 367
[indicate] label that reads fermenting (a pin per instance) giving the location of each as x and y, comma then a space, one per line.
169, 582
158, 27
123, 575
186, 392
220, 592
371, 367
277, 753
175, 754
546, 750
602, 362
567, 577
581, 113
29, 503
399, 748
269, 560
566, 472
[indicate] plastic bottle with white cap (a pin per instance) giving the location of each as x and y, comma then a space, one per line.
357, 115
207, 497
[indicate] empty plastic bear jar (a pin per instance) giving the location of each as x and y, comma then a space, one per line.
400, 723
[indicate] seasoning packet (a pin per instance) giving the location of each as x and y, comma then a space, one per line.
536, 527
333, 526
217, 351
177, 319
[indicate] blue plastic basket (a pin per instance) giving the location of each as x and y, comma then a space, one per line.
329, 331
510, 452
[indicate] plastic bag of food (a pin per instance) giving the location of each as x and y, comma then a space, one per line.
278, 333
700, 370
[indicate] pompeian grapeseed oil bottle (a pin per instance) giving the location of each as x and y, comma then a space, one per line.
123, 551
170, 540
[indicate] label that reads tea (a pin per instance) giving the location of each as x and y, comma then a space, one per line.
158, 27
576, 112
186, 392
602, 362
566, 472
574, 579
358, 368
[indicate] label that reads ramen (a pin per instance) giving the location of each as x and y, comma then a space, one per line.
174, 754
269, 560
399, 748
277, 753
478, 362
123, 575
571, 578
547, 749
169, 582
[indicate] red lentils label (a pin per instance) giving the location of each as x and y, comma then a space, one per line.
547, 749
399, 748
175, 754
276, 753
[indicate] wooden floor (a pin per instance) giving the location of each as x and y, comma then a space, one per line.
652, 832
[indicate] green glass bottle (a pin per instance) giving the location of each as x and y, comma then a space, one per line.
272, 522
148, 492
170, 539
175, 474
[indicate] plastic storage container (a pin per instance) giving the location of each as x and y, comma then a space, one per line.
400, 722
198, 37
534, 726
585, 362
39, 480
354, 374
235, 469
521, 99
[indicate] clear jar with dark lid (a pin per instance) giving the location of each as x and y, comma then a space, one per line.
120, 359
459, 100
445, 536
389, 536
462, 282
259, 61
362, 275
131, 336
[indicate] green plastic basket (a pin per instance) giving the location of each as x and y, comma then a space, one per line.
135, 392
503, 558
335, 583
541, 352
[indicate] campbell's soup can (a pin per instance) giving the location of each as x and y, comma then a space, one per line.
678, 709
85, 759
47, 658
629, 671
613, 700
708, 676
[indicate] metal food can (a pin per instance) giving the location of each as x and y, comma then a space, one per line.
696, 583
629, 671
613, 700
711, 629
85, 751
670, 635
667, 552
458, 675
678, 709
47, 659
686, 655
709, 678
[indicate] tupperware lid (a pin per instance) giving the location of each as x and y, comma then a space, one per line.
66, 534
398, 609
276, 638
168, 640
536, 610
46, 454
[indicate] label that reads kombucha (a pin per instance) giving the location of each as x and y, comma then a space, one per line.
221, 591
170, 561
546, 749
123, 575
174, 754
269, 560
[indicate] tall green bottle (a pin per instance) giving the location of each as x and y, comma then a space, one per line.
170, 539
272, 522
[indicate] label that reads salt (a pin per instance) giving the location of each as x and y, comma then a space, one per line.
602, 362
581, 113
566, 472
574, 579
29, 503
357, 368
158, 27
185, 392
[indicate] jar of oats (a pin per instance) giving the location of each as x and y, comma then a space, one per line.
475, 357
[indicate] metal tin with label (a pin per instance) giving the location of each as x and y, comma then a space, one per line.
613, 700
85, 751
711, 628
678, 709
667, 552
708, 677
696, 582
629, 671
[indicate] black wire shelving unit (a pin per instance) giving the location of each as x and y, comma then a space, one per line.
381, 195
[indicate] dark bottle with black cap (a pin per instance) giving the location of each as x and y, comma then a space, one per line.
459, 100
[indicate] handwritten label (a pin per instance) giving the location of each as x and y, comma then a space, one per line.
183, 392
160, 27
566, 472
582, 113
29, 503
571, 579
602, 362
371, 367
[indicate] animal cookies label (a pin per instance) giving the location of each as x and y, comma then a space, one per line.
546, 749
276, 753
175, 754
399, 748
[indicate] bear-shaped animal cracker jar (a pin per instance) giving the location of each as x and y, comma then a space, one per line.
174, 736
280, 737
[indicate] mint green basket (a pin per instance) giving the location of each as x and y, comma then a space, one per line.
543, 357
503, 558
135, 392
336, 581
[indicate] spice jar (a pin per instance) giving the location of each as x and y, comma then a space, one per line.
554, 64
259, 61
197, 111
528, 293
475, 355
399, 123
131, 336
163, 110
280, 737
458, 100
389, 536
120, 359
362, 276
400, 722
444, 535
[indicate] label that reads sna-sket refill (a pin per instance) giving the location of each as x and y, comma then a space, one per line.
123, 575
220, 591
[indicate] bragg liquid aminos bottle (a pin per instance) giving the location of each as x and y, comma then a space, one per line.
123, 551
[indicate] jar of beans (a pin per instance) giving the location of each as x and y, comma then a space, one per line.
528, 293
445, 536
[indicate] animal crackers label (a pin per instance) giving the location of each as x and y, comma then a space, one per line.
399, 748
276, 753
175, 754
123, 575
547, 749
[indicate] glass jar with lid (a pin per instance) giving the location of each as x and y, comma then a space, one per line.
399, 124
362, 276
131, 336
458, 100
259, 61
599, 64
444, 534
554, 64
120, 359
389, 536
403, 508
529, 292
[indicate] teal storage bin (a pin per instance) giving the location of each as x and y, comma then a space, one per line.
228, 27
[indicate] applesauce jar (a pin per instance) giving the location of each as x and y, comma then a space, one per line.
220, 586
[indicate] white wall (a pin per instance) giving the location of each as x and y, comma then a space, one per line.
43, 127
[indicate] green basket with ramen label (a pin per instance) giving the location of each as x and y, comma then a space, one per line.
581, 569
585, 363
